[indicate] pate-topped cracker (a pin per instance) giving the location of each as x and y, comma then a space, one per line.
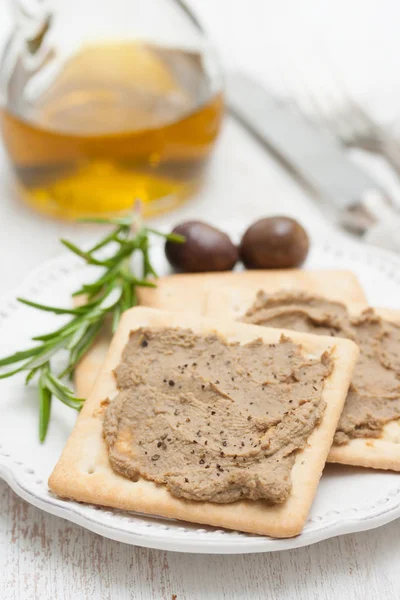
379, 449
375, 453
84, 472
222, 295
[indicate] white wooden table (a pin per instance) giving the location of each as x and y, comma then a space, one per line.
43, 557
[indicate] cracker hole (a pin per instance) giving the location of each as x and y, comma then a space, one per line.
91, 470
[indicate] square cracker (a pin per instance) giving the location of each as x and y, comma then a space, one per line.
189, 291
376, 453
222, 295
83, 472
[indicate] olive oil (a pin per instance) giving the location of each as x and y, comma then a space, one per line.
117, 122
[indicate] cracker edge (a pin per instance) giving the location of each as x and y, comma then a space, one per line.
375, 453
107, 488
189, 291
234, 300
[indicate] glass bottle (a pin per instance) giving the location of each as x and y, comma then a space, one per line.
106, 101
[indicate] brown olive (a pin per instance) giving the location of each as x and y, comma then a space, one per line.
274, 243
205, 249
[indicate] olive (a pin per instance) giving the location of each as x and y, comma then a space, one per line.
205, 248
274, 243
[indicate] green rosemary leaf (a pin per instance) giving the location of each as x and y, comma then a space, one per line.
59, 391
147, 266
10, 373
108, 297
112, 298
31, 375
82, 347
171, 237
97, 285
141, 282
111, 237
126, 250
116, 316
44, 356
78, 335
126, 298
40, 358
125, 221
62, 332
89, 259
54, 309
44, 408
18, 356
62, 387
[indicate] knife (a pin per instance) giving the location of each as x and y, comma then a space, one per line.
350, 195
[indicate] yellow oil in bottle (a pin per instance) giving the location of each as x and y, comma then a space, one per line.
118, 122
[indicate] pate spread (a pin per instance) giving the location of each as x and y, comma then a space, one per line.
374, 394
212, 420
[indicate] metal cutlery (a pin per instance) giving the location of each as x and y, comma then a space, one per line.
318, 161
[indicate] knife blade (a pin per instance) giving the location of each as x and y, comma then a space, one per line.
350, 195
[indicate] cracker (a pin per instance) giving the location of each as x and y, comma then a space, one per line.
375, 453
234, 298
83, 472
234, 293
189, 292
90, 364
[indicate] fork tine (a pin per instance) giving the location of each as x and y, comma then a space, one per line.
321, 102
332, 106
355, 116
300, 96
334, 109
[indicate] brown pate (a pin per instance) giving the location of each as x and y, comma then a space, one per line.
212, 420
374, 394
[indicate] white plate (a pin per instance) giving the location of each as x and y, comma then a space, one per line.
348, 499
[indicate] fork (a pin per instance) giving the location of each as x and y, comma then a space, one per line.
345, 119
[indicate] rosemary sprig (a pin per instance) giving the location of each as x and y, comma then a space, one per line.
111, 294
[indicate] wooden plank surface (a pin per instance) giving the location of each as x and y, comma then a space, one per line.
44, 557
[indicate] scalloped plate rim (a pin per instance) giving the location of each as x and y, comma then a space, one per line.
73, 512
